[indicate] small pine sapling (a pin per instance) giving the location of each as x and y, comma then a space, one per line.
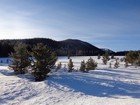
65, 68
99, 56
83, 66
116, 65
91, 64
70, 65
110, 65
59, 66
106, 58
112, 56
126, 64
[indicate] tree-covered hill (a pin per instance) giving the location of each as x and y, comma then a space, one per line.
70, 47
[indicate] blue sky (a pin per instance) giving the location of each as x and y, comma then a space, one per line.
113, 24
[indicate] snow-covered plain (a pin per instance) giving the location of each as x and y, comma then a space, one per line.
103, 86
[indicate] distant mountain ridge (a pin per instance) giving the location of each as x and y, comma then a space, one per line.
72, 47
107, 50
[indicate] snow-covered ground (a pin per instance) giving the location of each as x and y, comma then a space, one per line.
103, 86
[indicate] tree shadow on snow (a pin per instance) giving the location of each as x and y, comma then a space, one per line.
90, 85
6, 72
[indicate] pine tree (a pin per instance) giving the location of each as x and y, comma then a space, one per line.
83, 66
59, 66
90, 64
99, 56
110, 65
126, 64
20, 59
116, 65
132, 57
43, 59
70, 65
65, 68
112, 56
105, 58
138, 60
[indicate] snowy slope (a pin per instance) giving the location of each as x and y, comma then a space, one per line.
103, 86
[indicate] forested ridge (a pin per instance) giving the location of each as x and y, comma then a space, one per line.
70, 47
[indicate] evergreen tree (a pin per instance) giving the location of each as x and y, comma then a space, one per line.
138, 60
70, 65
132, 57
83, 66
65, 68
126, 64
43, 59
116, 65
122, 59
105, 58
59, 66
99, 56
90, 64
20, 59
112, 56
110, 65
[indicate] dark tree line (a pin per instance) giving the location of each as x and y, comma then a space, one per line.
62, 48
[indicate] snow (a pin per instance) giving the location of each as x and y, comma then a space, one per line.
103, 86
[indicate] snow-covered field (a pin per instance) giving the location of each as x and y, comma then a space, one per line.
103, 86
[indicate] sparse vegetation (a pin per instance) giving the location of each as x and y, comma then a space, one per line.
91, 64
106, 58
110, 65
83, 66
112, 56
99, 56
116, 65
133, 58
59, 66
70, 65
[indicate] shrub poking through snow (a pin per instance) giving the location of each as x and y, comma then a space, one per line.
138, 60
99, 56
116, 65
43, 59
91, 64
132, 57
112, 56
105, 58
110, 65
59, 66
70, 65
65, 67
126, 64
83, 66
20, 59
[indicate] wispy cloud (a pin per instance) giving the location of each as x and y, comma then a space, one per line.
86, 20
